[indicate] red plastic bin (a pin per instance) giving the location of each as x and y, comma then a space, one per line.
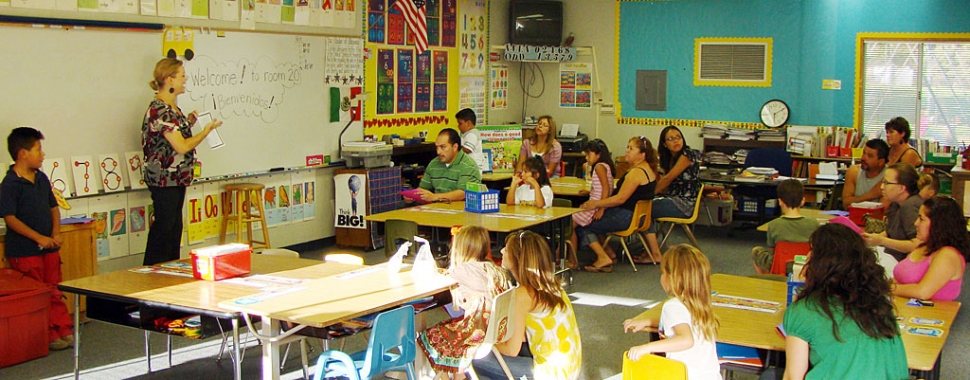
24, 307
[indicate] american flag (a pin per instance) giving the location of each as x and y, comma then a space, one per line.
414, 15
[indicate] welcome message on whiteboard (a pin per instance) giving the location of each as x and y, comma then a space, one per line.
243, 88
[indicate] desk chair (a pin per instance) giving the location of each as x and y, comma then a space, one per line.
391, 347
500, 323
653, 367
684, 222
641, 221
785, 252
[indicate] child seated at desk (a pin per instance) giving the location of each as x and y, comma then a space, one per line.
687, 320
843, 325
791, 226
451, 345
532, 186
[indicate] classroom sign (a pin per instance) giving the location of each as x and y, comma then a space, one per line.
351, 200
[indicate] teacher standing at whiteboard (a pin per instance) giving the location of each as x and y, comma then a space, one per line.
169, 148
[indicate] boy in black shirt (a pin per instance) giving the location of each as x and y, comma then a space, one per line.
33, 238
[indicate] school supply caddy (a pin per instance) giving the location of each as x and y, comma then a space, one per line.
221, 261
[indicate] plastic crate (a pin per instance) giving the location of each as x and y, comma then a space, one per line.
482, 202
941, 158
23, 318
750, 206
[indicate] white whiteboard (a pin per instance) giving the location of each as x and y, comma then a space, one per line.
87, 91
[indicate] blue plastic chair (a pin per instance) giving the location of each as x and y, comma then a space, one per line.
391, 347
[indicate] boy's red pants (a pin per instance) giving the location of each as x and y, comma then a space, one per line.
47, 269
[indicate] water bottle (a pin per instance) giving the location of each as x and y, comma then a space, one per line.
424, 263
588, 176
395, 262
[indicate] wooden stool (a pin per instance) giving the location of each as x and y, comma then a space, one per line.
239, 192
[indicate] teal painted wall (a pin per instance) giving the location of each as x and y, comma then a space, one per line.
812, 40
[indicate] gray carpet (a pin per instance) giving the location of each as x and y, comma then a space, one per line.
110, 352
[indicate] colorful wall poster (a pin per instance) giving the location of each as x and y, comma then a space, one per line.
575, 84
499, 86
471, 94
385, 81
474, 35
350, 200
344, 61
405, 80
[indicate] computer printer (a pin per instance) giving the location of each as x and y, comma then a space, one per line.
573, 144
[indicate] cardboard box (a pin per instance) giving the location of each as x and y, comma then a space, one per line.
24, 307
715, 212
221, 262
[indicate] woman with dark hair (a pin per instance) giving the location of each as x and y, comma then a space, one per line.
897, 136
843, 325
678, 186
899, 186
637, 184
934, 270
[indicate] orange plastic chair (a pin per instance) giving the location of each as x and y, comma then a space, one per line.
640, 221
786, 251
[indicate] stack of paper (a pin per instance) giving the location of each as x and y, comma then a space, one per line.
713, 131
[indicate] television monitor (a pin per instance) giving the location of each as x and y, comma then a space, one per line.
535, 23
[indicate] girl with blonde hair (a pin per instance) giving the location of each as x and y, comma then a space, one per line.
545, 343
687, 318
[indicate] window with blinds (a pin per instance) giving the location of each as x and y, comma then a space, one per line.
733, 62
927, 82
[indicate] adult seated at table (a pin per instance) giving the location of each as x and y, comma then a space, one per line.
899, 187
843, 325
637, 184
897, 136
862, 181
446, 176
934, 270
542, 144
678, 187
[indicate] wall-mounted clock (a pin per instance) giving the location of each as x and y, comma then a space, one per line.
774, 113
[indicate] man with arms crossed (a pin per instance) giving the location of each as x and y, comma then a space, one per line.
862, 180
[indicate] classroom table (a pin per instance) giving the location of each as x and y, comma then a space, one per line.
112, 296
569, 187
328, 300
758, 329
808, 213
496, 177
507, 219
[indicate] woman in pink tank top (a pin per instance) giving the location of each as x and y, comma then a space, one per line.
934, 270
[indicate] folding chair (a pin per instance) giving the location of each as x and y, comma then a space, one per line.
500, 323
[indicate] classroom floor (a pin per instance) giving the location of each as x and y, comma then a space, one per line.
602, 302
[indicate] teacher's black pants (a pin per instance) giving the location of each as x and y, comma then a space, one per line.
165, 233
